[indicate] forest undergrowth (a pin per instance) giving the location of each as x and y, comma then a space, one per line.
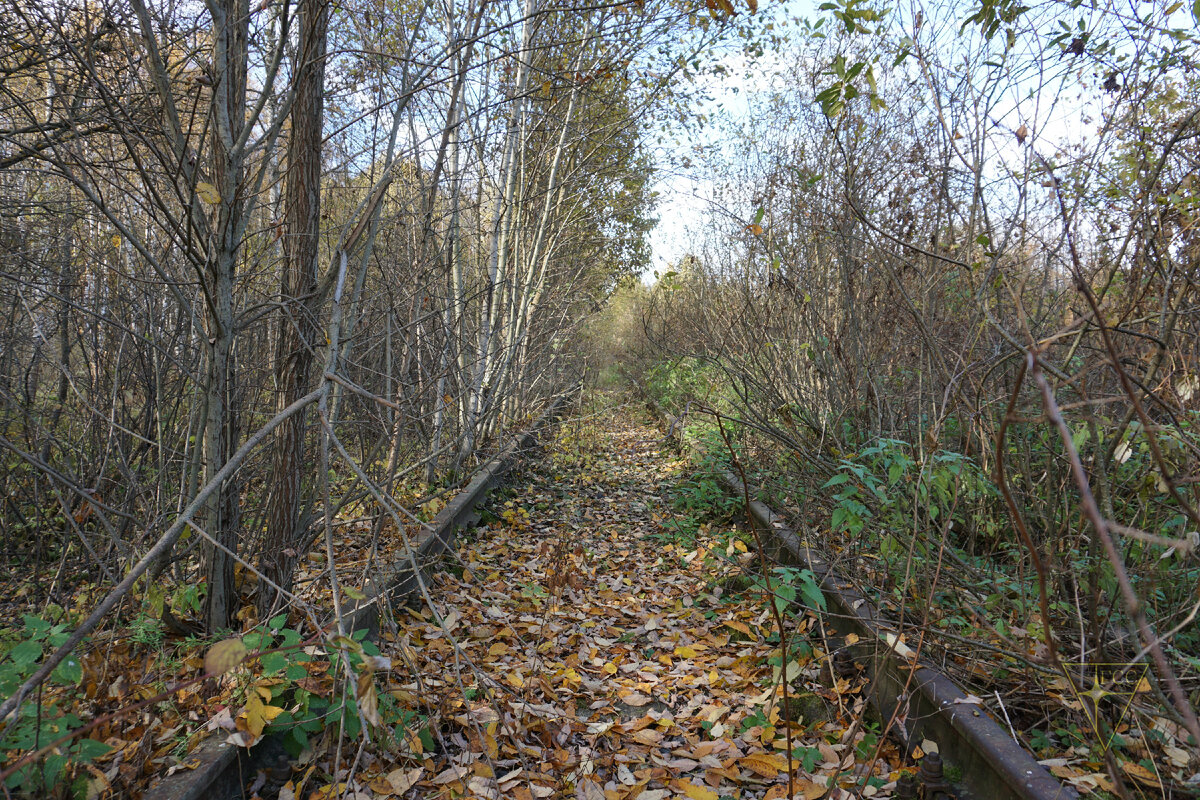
918, 532
604, 633
603, 638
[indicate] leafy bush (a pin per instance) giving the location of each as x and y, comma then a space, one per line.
43, 719
299, 690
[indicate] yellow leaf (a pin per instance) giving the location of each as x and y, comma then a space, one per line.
224, 656
116, 240
258, 715
739, 626
1140, 773
489, 741
684, 651
768, 765
695, 791
208, 193
810, 790
755, 228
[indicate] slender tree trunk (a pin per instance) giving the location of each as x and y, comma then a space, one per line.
499, 246
222, 512
298, 333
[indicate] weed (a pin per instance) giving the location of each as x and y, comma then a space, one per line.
809, 757
146, 631
790, 584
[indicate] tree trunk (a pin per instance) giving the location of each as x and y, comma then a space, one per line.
222, 512
298, 333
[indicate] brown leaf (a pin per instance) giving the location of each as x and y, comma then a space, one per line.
588, 789
368, 697
450, 775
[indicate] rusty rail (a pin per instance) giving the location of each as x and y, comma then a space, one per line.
993, 766
397, 581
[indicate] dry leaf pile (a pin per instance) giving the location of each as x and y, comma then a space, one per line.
580, 652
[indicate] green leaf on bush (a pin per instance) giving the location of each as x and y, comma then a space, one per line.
89, 749
273, 662
255, 640
26, 653
70, 671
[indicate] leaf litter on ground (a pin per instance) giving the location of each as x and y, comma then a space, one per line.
588, 650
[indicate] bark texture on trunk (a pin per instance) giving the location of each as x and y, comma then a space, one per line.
297, 347
222, 518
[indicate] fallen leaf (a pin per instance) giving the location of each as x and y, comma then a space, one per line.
768, 765
1140, 774
588, 790
401, 780
450, 775
695, 791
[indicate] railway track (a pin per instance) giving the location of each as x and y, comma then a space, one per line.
915, 701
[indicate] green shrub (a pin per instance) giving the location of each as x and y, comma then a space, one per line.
46, 717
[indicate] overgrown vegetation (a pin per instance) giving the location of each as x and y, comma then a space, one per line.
280, 276
946, 307
277, 278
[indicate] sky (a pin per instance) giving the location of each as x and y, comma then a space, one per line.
1058, 113
685, 194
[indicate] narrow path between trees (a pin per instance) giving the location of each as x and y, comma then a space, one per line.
595, 647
